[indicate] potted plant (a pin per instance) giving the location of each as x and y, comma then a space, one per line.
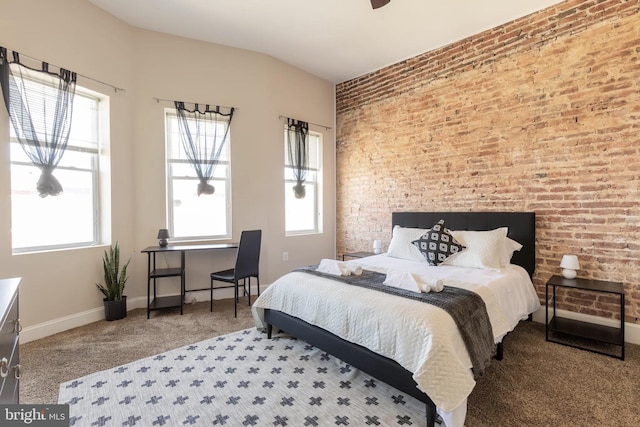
115, 304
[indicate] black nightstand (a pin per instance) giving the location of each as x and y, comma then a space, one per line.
357, 254
581, 329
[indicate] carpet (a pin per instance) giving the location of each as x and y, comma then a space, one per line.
240, 379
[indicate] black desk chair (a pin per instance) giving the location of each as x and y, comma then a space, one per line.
247, 260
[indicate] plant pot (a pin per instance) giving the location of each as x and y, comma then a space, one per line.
114, 310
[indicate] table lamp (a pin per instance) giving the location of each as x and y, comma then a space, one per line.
377, 246
569, 265
163, 235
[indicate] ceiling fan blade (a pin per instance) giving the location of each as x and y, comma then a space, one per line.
378, 3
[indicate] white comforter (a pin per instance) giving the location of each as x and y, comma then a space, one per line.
422, 338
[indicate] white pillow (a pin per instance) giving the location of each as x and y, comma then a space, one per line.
484, 249
401, 246
509, 247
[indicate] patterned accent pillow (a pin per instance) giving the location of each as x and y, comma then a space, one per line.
437, 244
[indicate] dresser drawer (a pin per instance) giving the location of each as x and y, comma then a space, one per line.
9, 343
9, 384
8, 333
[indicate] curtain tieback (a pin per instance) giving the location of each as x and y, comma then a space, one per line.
205, 188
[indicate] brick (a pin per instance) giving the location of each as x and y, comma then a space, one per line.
540, 114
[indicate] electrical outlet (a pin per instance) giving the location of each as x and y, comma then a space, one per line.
285, 256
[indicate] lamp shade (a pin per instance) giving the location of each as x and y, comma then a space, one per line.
163, 235
570, 262
569, 265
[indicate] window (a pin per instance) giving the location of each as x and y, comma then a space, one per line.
193, 217
302, 216
70, 219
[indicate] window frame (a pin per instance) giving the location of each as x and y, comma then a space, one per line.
289, 183
171, 112
96, 170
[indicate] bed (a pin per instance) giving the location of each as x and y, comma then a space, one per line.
400, 371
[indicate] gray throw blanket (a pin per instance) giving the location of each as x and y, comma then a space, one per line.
465, 307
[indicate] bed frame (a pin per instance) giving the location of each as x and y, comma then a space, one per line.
521, 228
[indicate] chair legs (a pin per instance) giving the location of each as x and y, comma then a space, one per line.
211, 297
246, 291
235, 300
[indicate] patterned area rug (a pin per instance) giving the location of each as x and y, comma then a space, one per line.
240, 379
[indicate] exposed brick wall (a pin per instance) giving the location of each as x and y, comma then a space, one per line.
540, 114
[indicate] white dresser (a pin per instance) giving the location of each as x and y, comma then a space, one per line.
10, 369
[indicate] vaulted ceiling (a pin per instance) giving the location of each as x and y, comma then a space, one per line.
334, 39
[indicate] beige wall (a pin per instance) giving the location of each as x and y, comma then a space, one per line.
541, 114
58, 288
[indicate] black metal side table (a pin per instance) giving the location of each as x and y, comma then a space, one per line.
577, 328
357, 254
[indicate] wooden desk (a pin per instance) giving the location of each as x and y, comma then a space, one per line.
153, 273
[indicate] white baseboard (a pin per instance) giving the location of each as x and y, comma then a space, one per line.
41, 330
65, 323
631, 330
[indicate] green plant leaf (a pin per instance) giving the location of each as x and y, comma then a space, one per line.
114, 278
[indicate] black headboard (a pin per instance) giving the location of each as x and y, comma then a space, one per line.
522, 228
